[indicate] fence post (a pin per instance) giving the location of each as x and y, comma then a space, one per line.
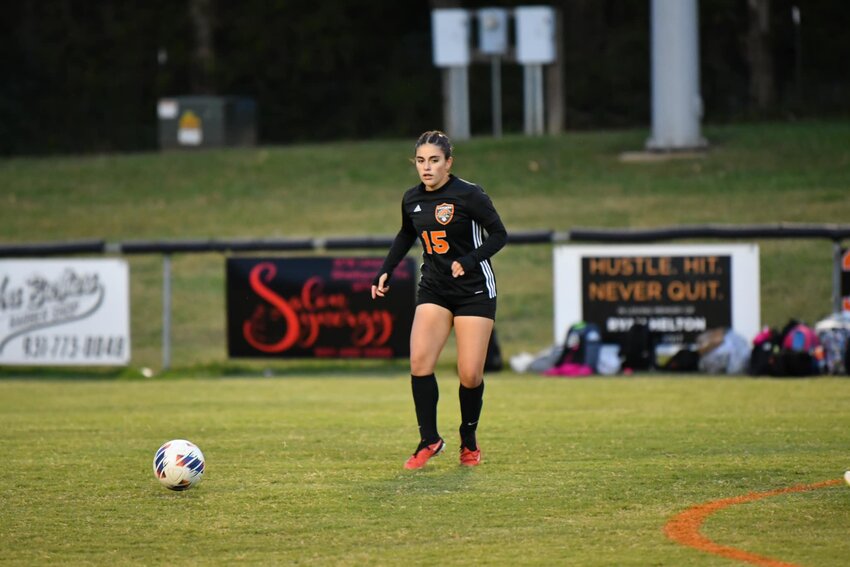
166, 311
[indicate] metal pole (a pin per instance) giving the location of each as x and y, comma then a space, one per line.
533, 95
555, 82
496, 86
527, 92
447, 99
458, 103
166, 311
798, 54
676, 99
538, 102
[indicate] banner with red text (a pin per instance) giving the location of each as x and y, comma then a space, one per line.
317, 307
678, 291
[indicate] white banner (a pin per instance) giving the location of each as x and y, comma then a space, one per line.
64, 312
678, 291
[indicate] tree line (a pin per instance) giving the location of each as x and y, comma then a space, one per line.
86, 76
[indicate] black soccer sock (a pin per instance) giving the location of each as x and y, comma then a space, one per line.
425, 397
471, 400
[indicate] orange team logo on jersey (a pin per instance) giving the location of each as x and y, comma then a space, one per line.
444, 213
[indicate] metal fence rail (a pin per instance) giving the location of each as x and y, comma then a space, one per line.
834, 232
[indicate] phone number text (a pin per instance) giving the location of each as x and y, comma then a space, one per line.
74, 347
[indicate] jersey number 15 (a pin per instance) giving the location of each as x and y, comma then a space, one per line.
435, 241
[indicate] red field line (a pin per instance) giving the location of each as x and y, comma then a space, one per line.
684, 528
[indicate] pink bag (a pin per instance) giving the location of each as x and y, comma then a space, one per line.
570, 370
801, 338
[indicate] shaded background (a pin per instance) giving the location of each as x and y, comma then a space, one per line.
82, 76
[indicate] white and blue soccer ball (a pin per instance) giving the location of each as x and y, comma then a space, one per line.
179, 464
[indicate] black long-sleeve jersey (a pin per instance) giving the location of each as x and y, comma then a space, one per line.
450, 224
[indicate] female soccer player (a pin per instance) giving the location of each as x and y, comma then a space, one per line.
457, 288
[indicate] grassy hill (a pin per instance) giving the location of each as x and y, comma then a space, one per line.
761, 173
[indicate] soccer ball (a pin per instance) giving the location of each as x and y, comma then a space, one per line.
178, 465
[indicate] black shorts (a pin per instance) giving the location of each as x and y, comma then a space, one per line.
472, 305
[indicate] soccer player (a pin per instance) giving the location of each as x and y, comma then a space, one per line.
457, 288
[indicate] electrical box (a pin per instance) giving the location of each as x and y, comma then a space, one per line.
187, 122
493, 31
450, 35
535, 30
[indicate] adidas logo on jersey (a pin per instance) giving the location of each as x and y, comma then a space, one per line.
418, 209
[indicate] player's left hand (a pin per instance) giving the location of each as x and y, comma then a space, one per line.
457, 269
382, 288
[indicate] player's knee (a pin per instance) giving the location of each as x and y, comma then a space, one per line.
421, 365
470, 375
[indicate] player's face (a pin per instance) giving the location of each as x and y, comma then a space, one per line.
432, 166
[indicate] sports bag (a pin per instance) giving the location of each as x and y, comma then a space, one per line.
637, 348
762, 354
686, 359
731, 356
834, 335
789, 352
581, 345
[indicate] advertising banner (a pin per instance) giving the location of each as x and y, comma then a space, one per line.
64, 312
317, 307
677, 291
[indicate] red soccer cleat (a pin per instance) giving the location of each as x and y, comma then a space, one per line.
470, 458
423, 453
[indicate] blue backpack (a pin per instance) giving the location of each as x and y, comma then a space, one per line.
581, 345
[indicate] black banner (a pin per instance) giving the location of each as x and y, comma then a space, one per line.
317, 307
677, 297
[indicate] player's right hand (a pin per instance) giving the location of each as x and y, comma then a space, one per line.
382, 288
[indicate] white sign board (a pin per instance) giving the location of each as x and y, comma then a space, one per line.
678, 291
450, 36
64, 312
535, 35
166, 108
493, 31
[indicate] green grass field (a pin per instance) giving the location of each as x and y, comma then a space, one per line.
305, 457
309, 471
